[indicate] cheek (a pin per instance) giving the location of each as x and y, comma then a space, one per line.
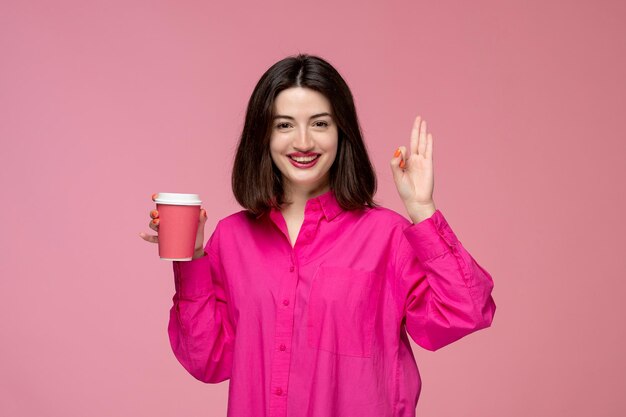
276, 158
332, 145
278, 143
333, 140
328, 140
275, 148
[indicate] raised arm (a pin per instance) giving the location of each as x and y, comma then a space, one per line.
443, 293
200, 328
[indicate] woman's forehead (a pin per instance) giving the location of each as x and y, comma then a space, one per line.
299, 102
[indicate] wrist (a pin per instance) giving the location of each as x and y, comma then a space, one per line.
421, 212
198, 253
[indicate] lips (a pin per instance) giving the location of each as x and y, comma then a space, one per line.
304, 164
299, 156
303, 155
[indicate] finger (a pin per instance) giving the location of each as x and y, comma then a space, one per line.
154, 224
429, 148
154, 214
203, 215
398, 162
415, 134
149, 238
404, 156
421, 148
397, 157
396, 171
154, 196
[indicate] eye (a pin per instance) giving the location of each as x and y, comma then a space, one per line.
325, 124
280, 125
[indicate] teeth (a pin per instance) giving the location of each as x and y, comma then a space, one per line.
303, 159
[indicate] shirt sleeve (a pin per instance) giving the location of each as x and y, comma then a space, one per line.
444, 293
200, 329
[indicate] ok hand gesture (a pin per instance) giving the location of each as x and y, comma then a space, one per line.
413, 173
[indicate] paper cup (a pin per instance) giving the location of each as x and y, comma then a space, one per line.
179, 215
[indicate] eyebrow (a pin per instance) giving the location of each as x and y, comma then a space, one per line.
281, 116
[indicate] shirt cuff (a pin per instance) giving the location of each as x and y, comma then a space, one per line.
193, 278
431, 237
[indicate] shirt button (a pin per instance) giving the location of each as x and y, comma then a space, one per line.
279, 391
291, 268
282, 346
285, 302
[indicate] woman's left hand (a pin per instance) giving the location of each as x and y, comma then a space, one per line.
413, 173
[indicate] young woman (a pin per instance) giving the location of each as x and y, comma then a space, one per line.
304, 298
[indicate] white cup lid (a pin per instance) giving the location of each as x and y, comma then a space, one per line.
178, 199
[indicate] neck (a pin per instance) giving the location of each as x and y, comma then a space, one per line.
296, 197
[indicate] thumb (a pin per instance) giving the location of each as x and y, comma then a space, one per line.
396, 169
203, 215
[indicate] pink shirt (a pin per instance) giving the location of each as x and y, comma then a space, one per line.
320, 329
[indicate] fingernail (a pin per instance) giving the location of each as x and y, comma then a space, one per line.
154, 214
154, 196
397, 153
402, 164
155, 221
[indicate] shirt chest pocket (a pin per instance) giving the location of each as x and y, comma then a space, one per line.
341, 311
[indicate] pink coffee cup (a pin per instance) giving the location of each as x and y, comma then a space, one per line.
179, 215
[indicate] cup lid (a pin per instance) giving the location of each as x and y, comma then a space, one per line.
178, 199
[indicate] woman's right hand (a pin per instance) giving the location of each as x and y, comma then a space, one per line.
154, 225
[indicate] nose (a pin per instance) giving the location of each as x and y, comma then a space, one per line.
303, 141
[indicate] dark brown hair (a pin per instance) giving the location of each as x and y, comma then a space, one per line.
257, 182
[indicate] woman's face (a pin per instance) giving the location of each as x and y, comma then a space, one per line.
303, 125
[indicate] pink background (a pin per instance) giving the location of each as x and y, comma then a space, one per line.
103, 103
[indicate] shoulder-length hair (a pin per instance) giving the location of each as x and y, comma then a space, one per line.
257, 181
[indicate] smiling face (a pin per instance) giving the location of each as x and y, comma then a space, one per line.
304, 139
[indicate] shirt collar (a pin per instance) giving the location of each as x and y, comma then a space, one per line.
327, 202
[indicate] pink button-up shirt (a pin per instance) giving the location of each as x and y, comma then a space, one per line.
320, 329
